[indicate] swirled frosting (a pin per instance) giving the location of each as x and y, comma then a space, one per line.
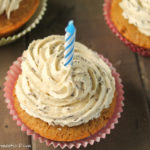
59, 95
138, 13
8, 6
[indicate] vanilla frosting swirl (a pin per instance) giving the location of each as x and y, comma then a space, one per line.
59, 95
138, 13
8, 6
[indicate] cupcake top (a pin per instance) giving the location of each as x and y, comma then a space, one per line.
138, 13
8, 6
60, 95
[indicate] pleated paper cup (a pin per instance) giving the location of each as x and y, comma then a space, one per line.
107, 17
11, 78
31, 24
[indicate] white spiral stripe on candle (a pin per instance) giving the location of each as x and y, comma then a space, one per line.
69, 46
67, 36
71, 39
69, 60
69, 51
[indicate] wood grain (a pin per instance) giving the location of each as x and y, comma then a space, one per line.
144, 72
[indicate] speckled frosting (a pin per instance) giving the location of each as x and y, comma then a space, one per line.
59, 95
138, 13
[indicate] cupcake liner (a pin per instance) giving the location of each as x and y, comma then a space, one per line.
11, 78
107, 17
31, 24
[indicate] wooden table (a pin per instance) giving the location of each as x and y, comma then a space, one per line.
133, 130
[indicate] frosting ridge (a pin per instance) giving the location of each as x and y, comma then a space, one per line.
8, 6
138, 13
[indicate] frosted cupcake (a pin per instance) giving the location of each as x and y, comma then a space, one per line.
14, 14
63, 105
129, 19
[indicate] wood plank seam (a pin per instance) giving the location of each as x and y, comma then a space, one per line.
139, 67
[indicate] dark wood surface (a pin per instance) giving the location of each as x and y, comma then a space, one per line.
133, 130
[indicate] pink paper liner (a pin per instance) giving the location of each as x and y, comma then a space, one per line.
107, 17
11, 78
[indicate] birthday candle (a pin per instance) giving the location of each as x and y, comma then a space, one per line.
69, 43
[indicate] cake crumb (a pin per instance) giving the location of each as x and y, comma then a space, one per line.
59, 129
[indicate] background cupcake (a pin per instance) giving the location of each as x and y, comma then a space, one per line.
14, 14
129, 20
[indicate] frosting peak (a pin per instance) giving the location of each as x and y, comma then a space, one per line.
138, 13
8, 6
61, 95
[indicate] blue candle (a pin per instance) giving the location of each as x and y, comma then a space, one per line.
69, 43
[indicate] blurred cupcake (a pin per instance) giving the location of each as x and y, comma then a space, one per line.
74, 105
14, 14
129, 20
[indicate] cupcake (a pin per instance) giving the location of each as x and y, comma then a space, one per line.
129, 20
14, 14
70, 105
